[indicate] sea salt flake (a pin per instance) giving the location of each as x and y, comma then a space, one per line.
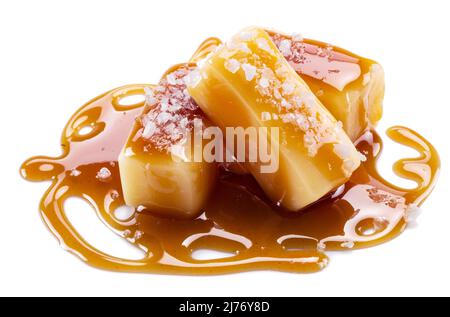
297, 101
288, 117
246, 35
148, 91
264, 82
150, 97
321, 246
170, 128
288, 88
348, 244
249, 70
281, 71
138, 235
183, 123
193, 78
164, 105
277, 94
126, 233
244, 48
174, 107
285, 47
163, 117
302, 122
160, 88
297, 37
232, 65
140, 208
149, 130
285, 104
103, 174
412, 213
308, 99
74, 172
264, 45
171, 79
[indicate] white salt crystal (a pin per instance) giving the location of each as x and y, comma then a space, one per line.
170, 129
164, 104
163, 117
288, 88
174, 107
264, 45
149, 130
264, 82
285, 104
184, 122
160, 88
243, 47
171, 79
285, 47
75, 172
149, 96
193, 78
412, 213
232, 65
249, 70
348, 244
140, 208
302, 122
246, 35
103, 174
297, 37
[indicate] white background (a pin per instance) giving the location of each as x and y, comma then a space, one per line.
56, 55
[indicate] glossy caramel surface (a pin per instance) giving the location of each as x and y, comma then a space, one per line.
237, 219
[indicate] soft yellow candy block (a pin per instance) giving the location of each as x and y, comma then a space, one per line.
157, 169
349, 86
248, 83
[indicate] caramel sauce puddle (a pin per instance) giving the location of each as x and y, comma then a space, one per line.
238, 218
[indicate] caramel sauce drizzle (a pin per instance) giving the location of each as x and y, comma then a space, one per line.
238, 218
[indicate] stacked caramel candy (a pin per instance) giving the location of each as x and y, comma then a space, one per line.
317, 98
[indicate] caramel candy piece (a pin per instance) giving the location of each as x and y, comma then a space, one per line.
248, 83
157, 169
349, 86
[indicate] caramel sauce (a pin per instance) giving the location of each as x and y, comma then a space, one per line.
238, 218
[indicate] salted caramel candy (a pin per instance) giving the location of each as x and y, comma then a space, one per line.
248, 83
157, 168
349, 86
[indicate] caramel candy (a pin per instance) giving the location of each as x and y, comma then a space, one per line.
157, 169
248, 83
349, 86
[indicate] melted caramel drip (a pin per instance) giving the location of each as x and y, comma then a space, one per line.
238, 218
